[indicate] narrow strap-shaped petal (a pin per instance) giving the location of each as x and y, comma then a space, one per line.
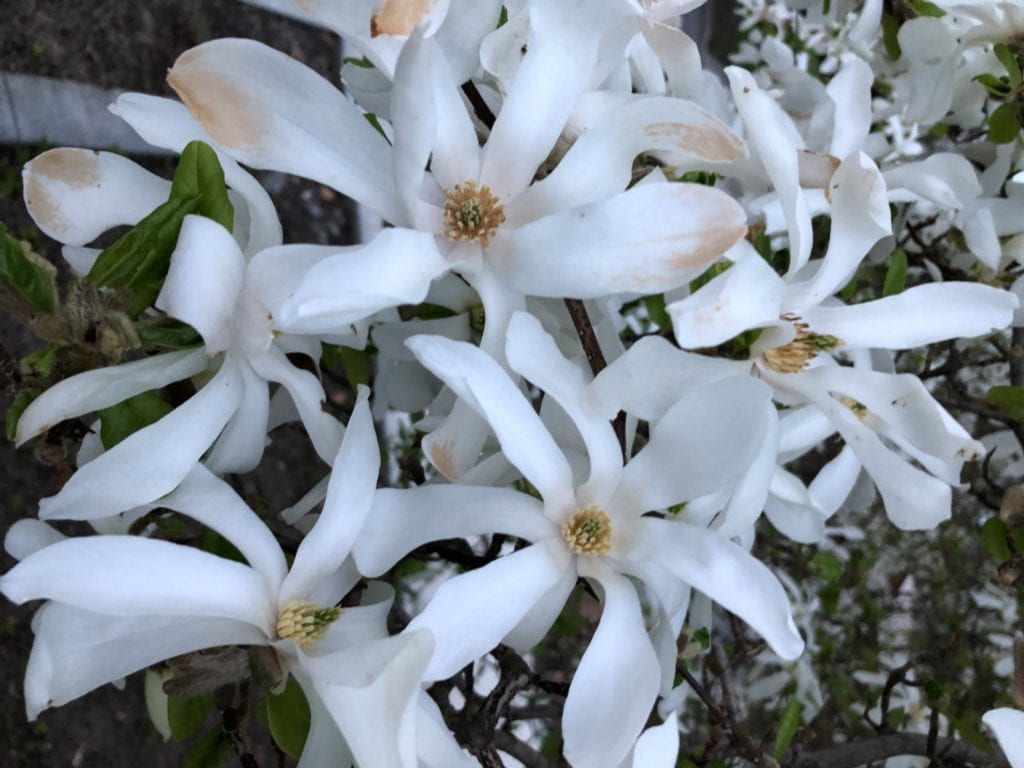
240, 445
533, 353
413, 119
134, 576
850, 91
206, 498
75, 195
467, 621
403, 519
775, 140
456, 153
648, 239
204, 280
274, 113
600, 162
151, 462
166, 123
483, 385
104, 387
325, 747
349, 496
1008, 726
29, 535
615, 684
658, 747
918, 316
726, 573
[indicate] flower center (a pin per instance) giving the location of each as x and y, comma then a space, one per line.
305, 622
588, 531
472, 214
795, 356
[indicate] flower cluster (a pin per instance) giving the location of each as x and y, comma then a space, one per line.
615, 295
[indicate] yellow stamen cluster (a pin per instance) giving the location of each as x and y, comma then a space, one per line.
472, 214
795, 356
588, 531
305, 622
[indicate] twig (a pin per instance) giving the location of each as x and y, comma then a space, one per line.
480, 108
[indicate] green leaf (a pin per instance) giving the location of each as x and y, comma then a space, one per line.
998, 87
894, 718
1008, 60
788, 725
168, 334
895, 273
1003, 125
41, 361
356, 363
288, 718
827, 565
210, 751
125, 418
656, 310
890, 36
925, 8
186, 713
428, 311
138, 261
15, 409
993, 536
28, 273
1007, 399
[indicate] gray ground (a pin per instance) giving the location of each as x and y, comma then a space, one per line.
126, 45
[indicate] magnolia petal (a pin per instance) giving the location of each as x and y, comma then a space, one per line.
648, 239
76, 651
615, 684
464, 27
658, 747
29, 535
204, 280
307, 393
537, 105
75, 195
1008, 726
600, 162
747, 295
464, 617
680, 57
726, 573
456, 152
533, 353
705, 441
240, 445
538, 620
917, 317
850, 91
751, 492
860, 218
349, 496
413, 119
104, 387
134, 576
792, 511
396, 267
403, 519
274, 113
325, 747
371, 692
478, 380
166, 123
206, 498
772, 135
651, 376
435, 744
151, 462
834, 483
945, 178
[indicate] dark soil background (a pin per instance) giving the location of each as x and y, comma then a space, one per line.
128, 45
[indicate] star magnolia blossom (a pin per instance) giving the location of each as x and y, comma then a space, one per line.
121, 603
595, 529
1008, 726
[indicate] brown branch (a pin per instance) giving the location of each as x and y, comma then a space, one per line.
879, 748
480, 108
524, 753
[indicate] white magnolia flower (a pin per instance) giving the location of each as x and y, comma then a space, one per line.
595, 529
118, 604
1008, 726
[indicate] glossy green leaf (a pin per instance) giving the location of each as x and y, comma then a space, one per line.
138, 261
168, 334
926, 8
997, 87
895, 273
357, 365
125, 418
186, 713
1008, 399
656, 310
1003, 126
41, 361
788, 725
709, 274
288, 718
15, 409
210, 751
28, 273
890, 36
1008, 60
